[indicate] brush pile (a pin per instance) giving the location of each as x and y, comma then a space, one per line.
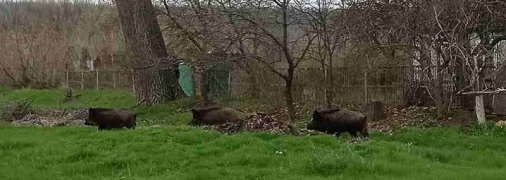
22, 113
258, 122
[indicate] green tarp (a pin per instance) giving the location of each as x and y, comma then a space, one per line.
217, 78
185, 79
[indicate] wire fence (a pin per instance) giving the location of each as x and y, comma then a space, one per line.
349, 85
113, 79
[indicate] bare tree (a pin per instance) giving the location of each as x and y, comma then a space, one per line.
440, 34
405, 28
472, 29
276, 27
325, 21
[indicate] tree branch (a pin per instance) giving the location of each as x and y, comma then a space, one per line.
270, 67
304, 52
180, 27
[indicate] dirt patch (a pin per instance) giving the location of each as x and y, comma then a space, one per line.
419, 117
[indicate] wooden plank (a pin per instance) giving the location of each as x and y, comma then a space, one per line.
499, 91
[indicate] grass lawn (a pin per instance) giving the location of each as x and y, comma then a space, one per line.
176, 151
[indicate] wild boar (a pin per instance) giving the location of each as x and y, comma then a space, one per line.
336, 121
111, 118
215, 116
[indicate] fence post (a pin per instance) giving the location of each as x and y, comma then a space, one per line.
133, 80
96, 71
229, 83
114, 79
67, 78
54, 77
82, 79
366, 93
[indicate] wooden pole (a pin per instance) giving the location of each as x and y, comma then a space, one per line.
96, 72
133, 80
229, 83
477, 93
366, 93
54, 77
114, 78
82, 80
67, 77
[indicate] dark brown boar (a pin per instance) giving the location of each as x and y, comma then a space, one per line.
214, 116
107, 119
336, 121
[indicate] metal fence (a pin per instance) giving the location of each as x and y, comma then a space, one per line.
350, 85
118, 79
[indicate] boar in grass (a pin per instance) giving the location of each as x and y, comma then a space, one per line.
107, 119
336, 121
215, 116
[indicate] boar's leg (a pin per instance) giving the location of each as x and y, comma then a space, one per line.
335, 133
365, 133
104, 127
131, 125
353, 134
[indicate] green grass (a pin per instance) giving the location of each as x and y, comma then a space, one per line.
55, 99
176, 151
180, 152
174, 113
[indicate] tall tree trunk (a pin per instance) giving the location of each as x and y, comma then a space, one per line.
197, 85
480, 110
145, 42
439, 95
479, 105
291, 64
289, 97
